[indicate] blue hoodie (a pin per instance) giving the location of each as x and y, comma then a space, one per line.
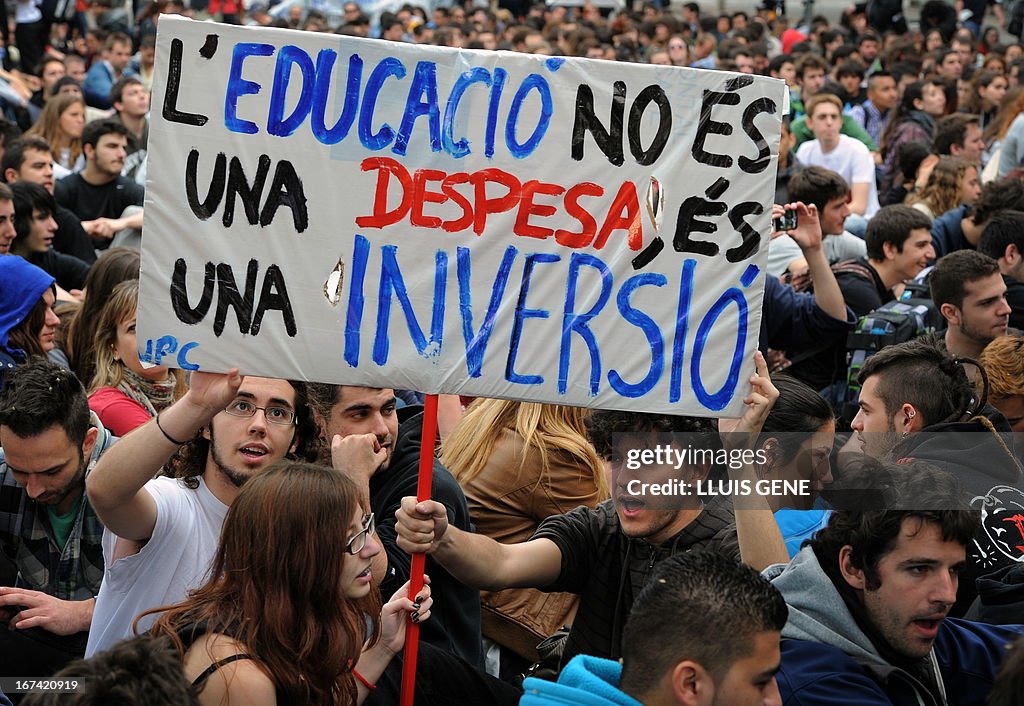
584, 681
21, 286
948, 233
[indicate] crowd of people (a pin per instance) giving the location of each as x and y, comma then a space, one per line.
224, 538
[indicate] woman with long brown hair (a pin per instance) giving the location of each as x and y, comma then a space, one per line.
61, 124
290, 613
122, 393
953, 182
519, 463
922, 104
116, 266
985, 95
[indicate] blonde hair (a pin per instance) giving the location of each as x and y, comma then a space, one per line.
1003, 361
109, 371
545, 427
48, 127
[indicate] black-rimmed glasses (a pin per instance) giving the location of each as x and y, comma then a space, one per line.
356, 544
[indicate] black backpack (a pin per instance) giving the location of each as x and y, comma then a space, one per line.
911, 316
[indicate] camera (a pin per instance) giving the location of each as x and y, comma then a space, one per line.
786, 222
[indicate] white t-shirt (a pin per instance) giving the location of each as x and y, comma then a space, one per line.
851, 159
783, 250
174, 560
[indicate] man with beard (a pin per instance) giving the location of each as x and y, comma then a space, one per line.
107, 203
360, 427
870, 597
728, 657
161, 532
918, 404
971, 294
48, 530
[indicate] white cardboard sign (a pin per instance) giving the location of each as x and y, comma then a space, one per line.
452, 221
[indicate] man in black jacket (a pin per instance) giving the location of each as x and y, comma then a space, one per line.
1003, 240
361, 430
917, 403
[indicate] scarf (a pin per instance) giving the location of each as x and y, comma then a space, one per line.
154, 396
923, 119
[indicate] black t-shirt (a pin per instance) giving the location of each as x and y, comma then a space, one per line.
71, 239
607, 569
70, 272
90, 202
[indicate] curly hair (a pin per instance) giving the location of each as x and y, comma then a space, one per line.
603, 425
915, 491
1003, 361
942, 192
1007, 193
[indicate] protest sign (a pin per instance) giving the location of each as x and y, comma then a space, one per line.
486, 223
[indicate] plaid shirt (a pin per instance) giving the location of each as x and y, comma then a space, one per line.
872, 119
26, 538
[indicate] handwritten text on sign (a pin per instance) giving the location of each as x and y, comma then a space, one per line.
494, 224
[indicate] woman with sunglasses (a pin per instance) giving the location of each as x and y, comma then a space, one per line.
290, 613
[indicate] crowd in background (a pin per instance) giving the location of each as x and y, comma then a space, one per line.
260, 530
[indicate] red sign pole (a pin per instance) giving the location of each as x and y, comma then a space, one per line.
412, 630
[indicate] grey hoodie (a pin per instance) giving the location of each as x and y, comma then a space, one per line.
818, 614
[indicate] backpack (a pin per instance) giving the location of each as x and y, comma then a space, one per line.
911, 316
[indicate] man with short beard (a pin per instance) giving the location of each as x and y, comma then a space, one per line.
606, 554
870, 597
107, 203
919, 404
162, 533
47, 527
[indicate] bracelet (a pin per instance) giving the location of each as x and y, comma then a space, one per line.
166, 435
366, 682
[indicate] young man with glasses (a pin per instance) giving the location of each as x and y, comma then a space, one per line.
161, 532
